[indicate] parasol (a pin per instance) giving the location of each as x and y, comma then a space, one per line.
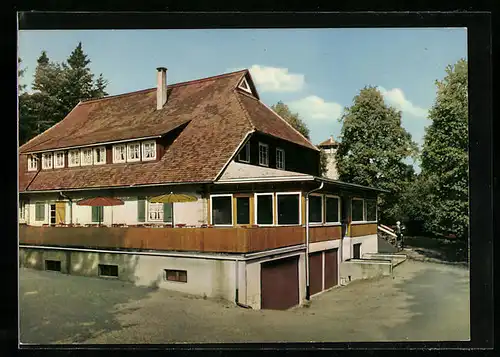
173, 198
101, 202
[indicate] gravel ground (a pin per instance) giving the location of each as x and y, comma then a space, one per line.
423, 301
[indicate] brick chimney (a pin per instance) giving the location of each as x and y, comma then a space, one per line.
161, 87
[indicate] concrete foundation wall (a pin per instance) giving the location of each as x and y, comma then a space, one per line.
321, 246
213, 278
360, 269
369, 244
394, 258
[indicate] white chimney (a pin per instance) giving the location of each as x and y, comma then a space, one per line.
161, 87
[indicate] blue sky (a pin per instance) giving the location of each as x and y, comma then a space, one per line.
316, 72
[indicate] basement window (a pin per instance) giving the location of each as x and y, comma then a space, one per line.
176, 275
108, 270
53, 265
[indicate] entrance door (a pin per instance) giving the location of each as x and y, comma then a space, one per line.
52, 214
356, 251
60, 212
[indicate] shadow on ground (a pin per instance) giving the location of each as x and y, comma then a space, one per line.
445, 250
59, 308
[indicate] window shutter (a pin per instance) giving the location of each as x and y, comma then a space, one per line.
141, 209
167, 212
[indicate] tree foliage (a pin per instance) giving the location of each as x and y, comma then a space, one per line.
298, 124
57, 88
292, 118
445, 156
373, 149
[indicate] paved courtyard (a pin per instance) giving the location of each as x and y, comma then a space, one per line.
423, 301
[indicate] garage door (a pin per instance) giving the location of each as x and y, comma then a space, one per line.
280, 283
315, 272
331, 268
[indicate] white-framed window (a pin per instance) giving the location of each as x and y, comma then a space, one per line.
100, 155
357, 210
74, 158
59, 159
316, 209
263, 154
22, 210
264, 209
149, 150
244, 155
221, 207
119, 153
280, 159
32, 163
47, 160
155, 212
289, 208
245, 86
40, 211
133, 152
87, 156
332, 209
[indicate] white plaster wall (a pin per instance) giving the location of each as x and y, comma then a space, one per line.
347, 248
326, 245
369, 244
213, 278
190, 213
47, 198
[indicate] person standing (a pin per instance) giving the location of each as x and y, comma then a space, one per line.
399, 234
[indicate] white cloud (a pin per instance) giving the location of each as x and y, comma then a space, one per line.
316, 108
273, 79
396, 97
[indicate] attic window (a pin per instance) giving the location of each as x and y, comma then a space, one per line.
47, 161
59, 159
100, 155
119, 153
74, 158
244, 86
32, 163
149, 150
87, 157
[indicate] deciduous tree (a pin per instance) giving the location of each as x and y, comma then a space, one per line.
373, 148
445, 155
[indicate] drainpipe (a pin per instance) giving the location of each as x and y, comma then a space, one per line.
236, 293
70, 206
308, 295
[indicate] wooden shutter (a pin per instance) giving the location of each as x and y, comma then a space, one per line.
167, 212
141, 209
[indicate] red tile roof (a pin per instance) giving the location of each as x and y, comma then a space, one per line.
329, 142
219, 117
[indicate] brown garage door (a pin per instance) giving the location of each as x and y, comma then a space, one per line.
331, 268
315, 272
280, 283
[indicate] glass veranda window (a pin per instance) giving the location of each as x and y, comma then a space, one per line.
315, 209
288, 209
357, 210
222, 210
264, 209
332, 209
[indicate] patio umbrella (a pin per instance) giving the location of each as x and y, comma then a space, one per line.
101, 202
173, 198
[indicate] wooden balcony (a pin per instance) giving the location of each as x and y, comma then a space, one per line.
221, 240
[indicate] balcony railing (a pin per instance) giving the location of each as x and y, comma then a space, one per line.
222, 240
